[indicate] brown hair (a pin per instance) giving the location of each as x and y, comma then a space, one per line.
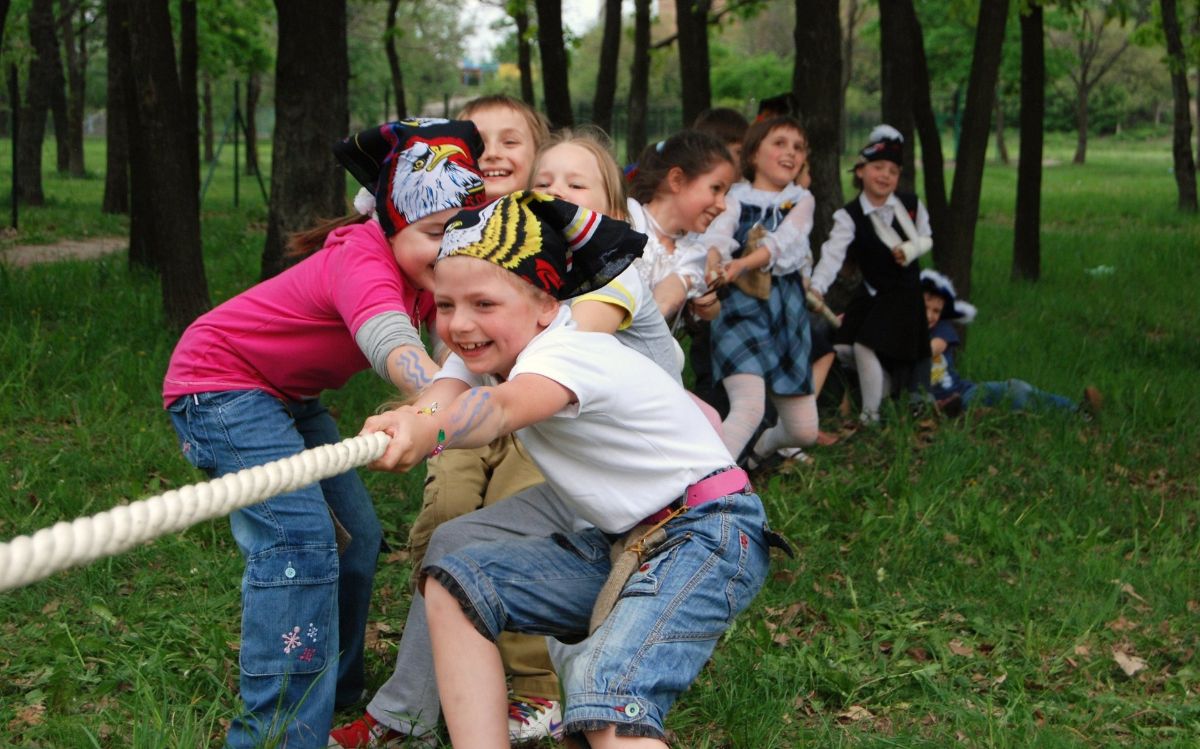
691, 151
305, 242
728, 125
758, 132
537, 123
596, 142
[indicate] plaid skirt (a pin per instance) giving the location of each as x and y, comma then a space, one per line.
769, 338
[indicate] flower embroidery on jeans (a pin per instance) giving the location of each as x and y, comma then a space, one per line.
311, 632
291, 640
308, 654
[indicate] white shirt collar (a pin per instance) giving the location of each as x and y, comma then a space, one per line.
868, 208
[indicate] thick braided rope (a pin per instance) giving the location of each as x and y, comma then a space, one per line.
26, 559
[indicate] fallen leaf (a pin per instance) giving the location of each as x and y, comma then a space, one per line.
958, 648
855, 713
1082, 650
1128, 590
1130, 664
1121, 624
51, 607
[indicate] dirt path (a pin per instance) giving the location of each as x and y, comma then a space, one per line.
23, 256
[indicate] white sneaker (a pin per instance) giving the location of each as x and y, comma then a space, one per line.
533, 719
794, 454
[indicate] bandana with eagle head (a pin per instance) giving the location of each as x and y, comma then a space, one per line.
559, 247
415, 168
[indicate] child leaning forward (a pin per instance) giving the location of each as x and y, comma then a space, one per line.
618, 439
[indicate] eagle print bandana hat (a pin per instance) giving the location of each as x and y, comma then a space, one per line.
559, 247
414, 168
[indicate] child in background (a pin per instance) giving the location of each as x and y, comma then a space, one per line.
679, 188
617, 439
884, 233
764, 341
953, 393
243, 388
466, 480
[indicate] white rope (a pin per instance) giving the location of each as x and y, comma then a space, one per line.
26, 559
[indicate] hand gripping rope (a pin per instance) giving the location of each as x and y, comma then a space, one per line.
27, 559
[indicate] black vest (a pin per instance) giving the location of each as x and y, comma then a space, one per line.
878, 267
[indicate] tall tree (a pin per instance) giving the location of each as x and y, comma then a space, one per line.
954, 256
39, 83
519, 9
189, 67
553, 52
58, 99
606, 77
1027, 224
896, 89
925, 121
75, 22
253, 93
311, 113
639, 81
166, 185
206, 119
691, 17
1095, 52
116, 137
853, 13
389, 36
1185, 165
816, 84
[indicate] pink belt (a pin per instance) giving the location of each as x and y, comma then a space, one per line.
732, 480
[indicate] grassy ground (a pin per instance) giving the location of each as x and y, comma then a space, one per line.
998, 581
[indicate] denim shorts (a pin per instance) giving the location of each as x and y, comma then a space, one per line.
665, 624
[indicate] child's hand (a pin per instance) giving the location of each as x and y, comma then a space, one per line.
706, 306
733, 269
414, 435
898, 254
714, 274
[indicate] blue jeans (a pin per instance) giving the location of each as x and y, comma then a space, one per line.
1018, 394
304, 609
668, 619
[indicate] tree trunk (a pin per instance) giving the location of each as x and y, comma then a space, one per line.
37, 101
606, 77
556, 92
896, 94
77, 58
253, 92
1027, 225
393, 58
58, 110
639, 81
955, 256
189, 60
816, 81
169, 190
116, 168
524, 53
927, 129
849, 34
206, 115
311, 112
1185, 165
691, 18
1081, 125
998, 122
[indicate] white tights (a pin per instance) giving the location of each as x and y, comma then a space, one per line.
797, 426
871, 381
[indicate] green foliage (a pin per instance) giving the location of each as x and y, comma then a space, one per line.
737, 79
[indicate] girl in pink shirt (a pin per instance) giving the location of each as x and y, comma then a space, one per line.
242, 389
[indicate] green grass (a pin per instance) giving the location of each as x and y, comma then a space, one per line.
963, 583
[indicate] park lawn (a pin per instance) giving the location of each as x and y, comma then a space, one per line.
1002, 580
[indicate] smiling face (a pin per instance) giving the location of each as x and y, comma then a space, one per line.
779, 158
696, 202
879, 179
508, 149
487, 315
415, 247
934, 304
570, 172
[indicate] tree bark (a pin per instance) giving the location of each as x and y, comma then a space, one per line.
524, 53
116, 168
189, 62
75, 45
926, 124
311, 112
606, 77
998, 123
1185, 165
954, 256
253, 92
691, 17
816, 81
166, 185
206, 115
393, 58
58, 109
1027, 225
556, 90
1081, 125
37, 101
896, 94
639, 82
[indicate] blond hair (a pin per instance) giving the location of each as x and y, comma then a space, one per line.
538, 126
596, 142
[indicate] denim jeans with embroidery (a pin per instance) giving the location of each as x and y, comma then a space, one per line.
304, 609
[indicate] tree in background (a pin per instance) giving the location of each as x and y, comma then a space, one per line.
1027, 223
896, 54
189, 61
925, 120
162, 181
1181, 147
312, 71
816, 80
556, 90
77, 19
389, 43
116, 137
639, 81
692, 18
606, 75
39, 83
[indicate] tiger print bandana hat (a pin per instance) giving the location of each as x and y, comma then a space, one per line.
413, 168
561, 248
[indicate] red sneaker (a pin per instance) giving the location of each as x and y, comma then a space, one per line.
365, 733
